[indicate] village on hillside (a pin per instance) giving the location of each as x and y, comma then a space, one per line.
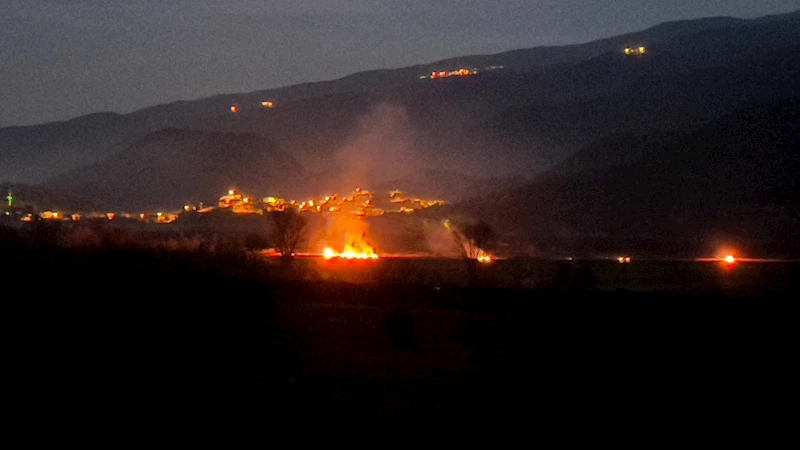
359, 203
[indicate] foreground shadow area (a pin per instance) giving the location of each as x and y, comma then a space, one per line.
115, 337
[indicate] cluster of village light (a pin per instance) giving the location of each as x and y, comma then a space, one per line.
360, 202
453, 73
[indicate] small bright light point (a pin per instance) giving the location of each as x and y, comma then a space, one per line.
730, 259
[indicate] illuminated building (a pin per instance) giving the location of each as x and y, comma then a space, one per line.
635, 50
163, 217
453, 73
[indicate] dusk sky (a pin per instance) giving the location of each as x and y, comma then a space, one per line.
63, 59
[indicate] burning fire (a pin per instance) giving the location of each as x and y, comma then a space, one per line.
349, 253
354, 249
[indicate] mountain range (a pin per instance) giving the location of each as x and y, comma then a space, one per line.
595, 142
730, 183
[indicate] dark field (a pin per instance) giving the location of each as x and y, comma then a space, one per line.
748, 279
117, 335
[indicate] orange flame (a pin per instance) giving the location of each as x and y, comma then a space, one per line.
484, 257
355, 249
349, 253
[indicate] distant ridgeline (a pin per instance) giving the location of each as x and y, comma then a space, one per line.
633, 136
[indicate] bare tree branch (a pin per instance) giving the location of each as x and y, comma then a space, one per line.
289, 232
470, 238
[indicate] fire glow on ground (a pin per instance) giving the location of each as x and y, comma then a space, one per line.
331, 255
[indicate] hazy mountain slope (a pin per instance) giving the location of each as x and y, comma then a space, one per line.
643, 96
496, 126
732, 180
503, 122
35, 153
318, 117
170, 168
32, 199
448, 186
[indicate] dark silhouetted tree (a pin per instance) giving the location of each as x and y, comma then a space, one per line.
470, 237
289, 231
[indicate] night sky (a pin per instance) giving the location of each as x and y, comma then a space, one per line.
62, 59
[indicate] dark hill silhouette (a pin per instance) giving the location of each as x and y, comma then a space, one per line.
31, 198
167, 169
520, 122
730, 180
546, 103
449, 186
33, 154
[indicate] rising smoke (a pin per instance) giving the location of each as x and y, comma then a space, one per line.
380, 149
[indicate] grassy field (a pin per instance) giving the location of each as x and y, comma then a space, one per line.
198, 335
683, 277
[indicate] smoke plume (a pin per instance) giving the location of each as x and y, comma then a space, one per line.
380, 149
